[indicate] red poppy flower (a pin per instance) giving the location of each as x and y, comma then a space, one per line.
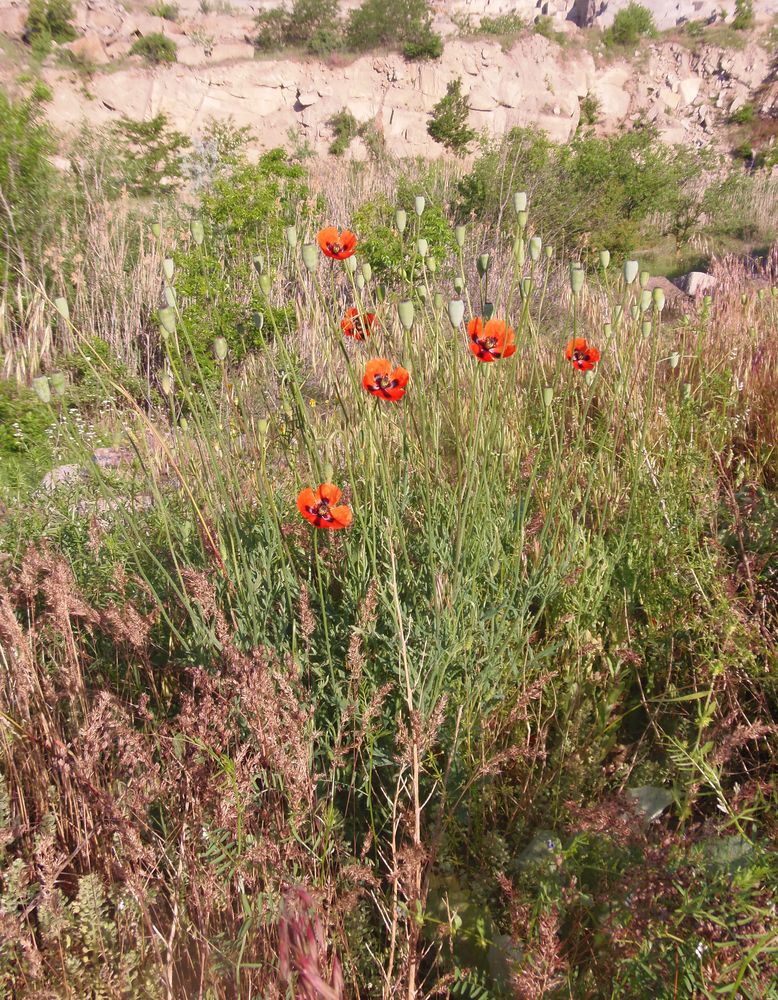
357, 326
321, 508
491, 340
583, 356
382, 381
337, 244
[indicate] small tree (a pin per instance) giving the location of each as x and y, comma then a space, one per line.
403, 24
630, 24
155, 48
150, 155
448, 121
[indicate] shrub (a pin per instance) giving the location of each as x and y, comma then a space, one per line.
344, 127
313, 25
149, 155
92, 370
448, 121
47, 21
24, 420
544, 25
155, 48
630, 24
405, 24
743, 116
590, 109
502, 24
272, 25
744, 15
167, 11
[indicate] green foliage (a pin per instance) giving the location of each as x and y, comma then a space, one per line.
149, 155
502, 24
27, 179
47, 21
155, 48
448, 120
590, 109
312, 25
24, 421
544, 25
163, 9
631, 24
216, 152
94, 372
41, 92
744, 15
344, 128
272, 26
405, 24
744, 115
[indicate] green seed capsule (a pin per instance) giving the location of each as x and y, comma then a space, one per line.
518, 251
520, 201
535, 246
401, 220
220, 348
645, 277
360, 282
459, 285
549, 252
605, 259
456, 312
459, 235
548, 395
168, 266
607, 330
437, 299
167, 318
183, 423
634, 312
291, 236
367, 271
659, 299
58, 383
482, 264
156, 230
674, 359
488, 311
431, 264
418, 205
265, 283
405, 311
423, 247
523, 218
645, 300
631, 268
42, 389
646, 328
526, 287
61, 305
576, 278
310, 254
618, 312
421, 291
167, 384
589, 376
197, 231
686, 391
170, 297
351, 264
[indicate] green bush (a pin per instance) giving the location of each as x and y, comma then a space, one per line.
590, 109
47, 21
744, 15
24, 421
344, 127
743, 116
167, 11
502, 24
272, 25
155, 48
313, 25
544, 25
404, 24
148, 156
630, 25
448, 121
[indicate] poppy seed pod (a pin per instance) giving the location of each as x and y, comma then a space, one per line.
658, 297
760, 294
526, 287
605, 259
61, 305
631, 268
674, 359
258, 319
646, 328
265, 283
310, 255
170, 297
183, 423
258, 264
459, 285
523, 218
167, 384
644, 278
549, 252
743, 299
42, 389
156, 230
418, 204
520, 201
220, 348
607, 329
367, 271
618, 312
456, 312
576, 278
459, 235
167, 317
197, 231
168, 267
634, 311
535, 246
437, 299
488, 311
360, 282
548, 395
482, 264
291, 236
645, 300
422, 246
421, 291
351, 264
401, 219
58, 384
406, 312
589, 376
431, 264
774, 291
263, 426
518, 251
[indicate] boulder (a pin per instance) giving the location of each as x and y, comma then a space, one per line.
695, 283
89, 49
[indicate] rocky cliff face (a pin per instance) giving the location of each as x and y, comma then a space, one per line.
535, 82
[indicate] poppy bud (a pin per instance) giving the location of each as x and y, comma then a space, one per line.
523, 219
58, 383
482, 264
686, 391
418, 205
520, 201
421, 291
431, 264
456, 312
170, 297
42, 390
607, 329
351, 264
380, 292
618, 312
401, 219
459, 285
589, 376
437, 299
197, 231
310, 256
645, 300
644, 278
760, 294
258, 319
167, 318
220, 348
646, 328
263, 426
183, 423
423, 247
674, 359
634, 311
265, 283
576, 278
605, 259
156, 230
526, 287
549, 252
548, 395
488, 311
360, 282
168, 266
367, 271
167, 384
459, 236
61, 305
291, 236
328, 472
518, 251
631, 268
405, 312
659, 299
535, 246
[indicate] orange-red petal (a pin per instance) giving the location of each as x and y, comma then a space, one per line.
331, 494
342, 517
305, 499
336, 244
576, 344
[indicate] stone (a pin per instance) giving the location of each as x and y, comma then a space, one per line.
63, 475
89, 49
696, 283
689, 89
